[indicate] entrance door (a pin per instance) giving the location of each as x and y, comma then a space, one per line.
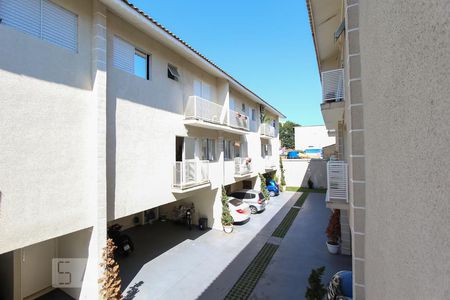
36, 267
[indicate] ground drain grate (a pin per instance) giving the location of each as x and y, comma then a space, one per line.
248, 280
284, 226
301, 200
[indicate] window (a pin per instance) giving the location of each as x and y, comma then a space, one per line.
128, 58
42, 19
227, 155
208, 149
172, 72
243, 107
253, 114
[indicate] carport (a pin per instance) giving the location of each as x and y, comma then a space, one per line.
170, 261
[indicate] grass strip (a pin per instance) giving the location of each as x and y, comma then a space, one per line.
284, 226
248, 280
303, 189
301, 199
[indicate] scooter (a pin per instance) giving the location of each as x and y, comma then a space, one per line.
122, 241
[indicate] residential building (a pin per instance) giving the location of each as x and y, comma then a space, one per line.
312, 137
385, 87
106, 115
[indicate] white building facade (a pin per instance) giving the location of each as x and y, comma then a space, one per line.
312, 137
106, 114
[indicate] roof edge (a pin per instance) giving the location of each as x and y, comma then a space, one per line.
189, 49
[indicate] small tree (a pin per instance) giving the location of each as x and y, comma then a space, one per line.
110, 281
334, 228
282, 180
227, 219
316, 290
264, 187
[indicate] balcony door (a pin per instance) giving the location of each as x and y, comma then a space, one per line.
202, 89
253, 118
186, 153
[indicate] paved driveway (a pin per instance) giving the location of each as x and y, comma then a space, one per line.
171, 262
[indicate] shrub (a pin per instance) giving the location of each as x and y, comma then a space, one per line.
264, 187
110, 280
283, 180
316, 290
334, 227
227, 219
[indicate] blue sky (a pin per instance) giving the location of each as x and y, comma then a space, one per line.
265, 44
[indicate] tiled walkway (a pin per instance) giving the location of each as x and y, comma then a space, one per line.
302, 249
171, 262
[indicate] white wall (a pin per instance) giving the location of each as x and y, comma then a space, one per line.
47, 118
312, 137
298, 171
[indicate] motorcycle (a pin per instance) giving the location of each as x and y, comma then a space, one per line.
122, 241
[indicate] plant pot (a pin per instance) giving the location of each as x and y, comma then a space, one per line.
333, 247
228, 228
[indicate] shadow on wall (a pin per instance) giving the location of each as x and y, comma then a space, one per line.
299, 171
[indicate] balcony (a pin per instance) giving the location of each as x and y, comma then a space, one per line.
332, 97
337, 181
242, 167
238, 120
269, 163
203, 109
190, 174
267, 130
204, 113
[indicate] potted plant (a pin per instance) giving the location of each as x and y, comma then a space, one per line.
316, 290
227, 219
334, 232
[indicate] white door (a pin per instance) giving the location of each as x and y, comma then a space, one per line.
232, 103
197, 88
189, 148
253, 119
36, 267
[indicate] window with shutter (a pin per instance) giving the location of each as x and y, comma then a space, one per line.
128, 58
43, 19
59, 26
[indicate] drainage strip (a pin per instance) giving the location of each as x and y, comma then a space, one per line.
301, 200
284, 226
248, 280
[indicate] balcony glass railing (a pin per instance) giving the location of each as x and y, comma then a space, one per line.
242, 166
190, 173
203, 109
238, 120
333, 85
267, 130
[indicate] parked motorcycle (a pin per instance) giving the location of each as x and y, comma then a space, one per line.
122, 241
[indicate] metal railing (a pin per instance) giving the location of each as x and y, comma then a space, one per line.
242, 166
203, 109
238, 120
267, 130
337, 180
190, 173
333, 85
269, 162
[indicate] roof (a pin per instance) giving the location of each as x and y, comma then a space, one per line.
311, 24
154, 22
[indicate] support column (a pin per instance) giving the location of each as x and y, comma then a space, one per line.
90, 289
356, 151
